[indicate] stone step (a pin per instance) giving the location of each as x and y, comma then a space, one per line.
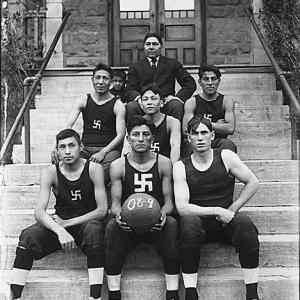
269, 194
275, 251
254, 81
265, 170
274, 283
275, 220
43, 118
263, 140
255, 140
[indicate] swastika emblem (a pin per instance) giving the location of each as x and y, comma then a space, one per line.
76, 195
143, 183
97, 124
208, 116
155, 147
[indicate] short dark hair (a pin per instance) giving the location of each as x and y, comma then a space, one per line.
152, 34
195, 121
138, 120
119, 73
151, 87
66, 133
209, 68
104, 67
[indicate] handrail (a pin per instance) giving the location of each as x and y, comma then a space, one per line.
32, 90
278, 71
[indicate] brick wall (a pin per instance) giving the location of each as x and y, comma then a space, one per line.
228, 32
85, 39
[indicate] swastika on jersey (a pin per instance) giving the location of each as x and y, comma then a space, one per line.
155, 147
97, 124
76, 195
208, 116
142, 183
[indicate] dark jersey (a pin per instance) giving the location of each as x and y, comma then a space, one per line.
99, 123
161, 143
136, 181
212, 110
213, 187
74, 198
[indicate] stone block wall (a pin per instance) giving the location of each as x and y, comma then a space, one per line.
85, 39
228, 32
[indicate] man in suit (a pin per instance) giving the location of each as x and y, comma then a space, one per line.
161, 71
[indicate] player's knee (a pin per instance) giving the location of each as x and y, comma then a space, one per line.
28, 240
245, 234
132, 108
93, 237
192, 233
175, 109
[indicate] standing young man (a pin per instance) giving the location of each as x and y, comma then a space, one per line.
203, 186
163, 72
81, 206
103, 120
214, 106
167, 130
118, 84
141, 171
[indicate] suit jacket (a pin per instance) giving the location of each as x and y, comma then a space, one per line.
168, 70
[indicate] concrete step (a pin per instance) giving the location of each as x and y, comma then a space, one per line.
275, 251
263, 140
265, 170
255, 81
255, 140
274, 283
43, 118
60, 102
275, 220
269, 194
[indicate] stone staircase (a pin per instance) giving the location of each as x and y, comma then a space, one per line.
263, 137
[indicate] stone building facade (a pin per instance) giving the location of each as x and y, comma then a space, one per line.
85, 40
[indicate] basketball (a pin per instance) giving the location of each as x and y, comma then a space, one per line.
141, 211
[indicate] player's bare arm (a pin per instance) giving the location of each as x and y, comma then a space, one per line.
116, 175
48, 179
226, 125
97, 177
189, 109
175, 138
75, 112
237, 168
182, 196
165, 168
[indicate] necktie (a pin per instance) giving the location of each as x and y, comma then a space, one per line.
153, 63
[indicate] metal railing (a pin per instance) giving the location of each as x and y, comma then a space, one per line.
24, 110
278, 71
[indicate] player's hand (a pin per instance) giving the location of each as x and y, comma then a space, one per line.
66, 240
122, 224
54, 157
60, 221
224, 215
159, 226
171, 97
98, 156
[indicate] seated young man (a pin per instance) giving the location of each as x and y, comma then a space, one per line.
127, 175
203, 187
212, 105
103, 120
118, 84
167, 129
80, 208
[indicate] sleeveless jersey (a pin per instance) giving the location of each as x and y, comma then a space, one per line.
136, 181
74, 197
212, 187
99, 123
212, 110
161, 143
